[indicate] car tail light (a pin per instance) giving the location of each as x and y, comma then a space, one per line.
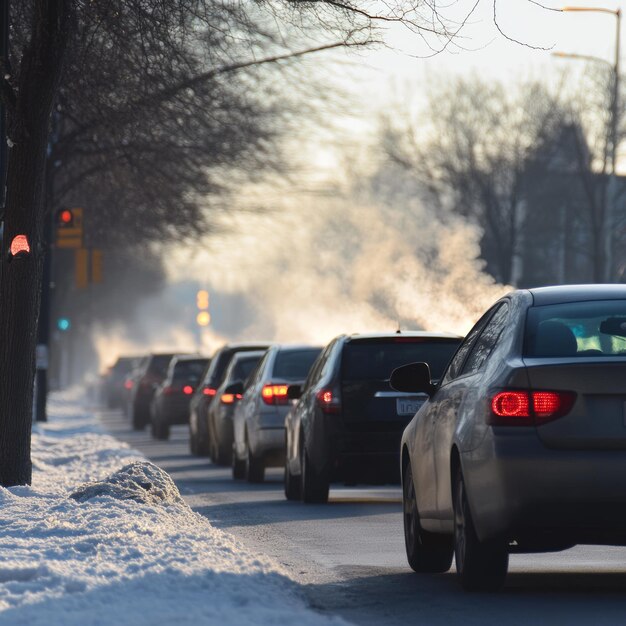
525, 408
275, 394
328, 400
230, 398
187, 390
128, 384
209, 391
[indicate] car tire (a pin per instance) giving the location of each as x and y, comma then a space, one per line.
480, 565
193, 442
224, 456
425, 551
292, 484
239, 467
138, 419
314, 485
255, 467
160, 430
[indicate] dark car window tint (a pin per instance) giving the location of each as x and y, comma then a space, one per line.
375, 360
189, 370
159, 364
244, 367
294, 364
454, 370
257, 372
318, 366
576, 329
487, 340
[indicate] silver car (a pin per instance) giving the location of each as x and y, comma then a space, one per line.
522, 445
259, 420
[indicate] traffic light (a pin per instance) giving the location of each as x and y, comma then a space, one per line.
69, 228
63, 323
203, 318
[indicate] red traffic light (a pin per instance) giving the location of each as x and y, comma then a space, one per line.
66, 217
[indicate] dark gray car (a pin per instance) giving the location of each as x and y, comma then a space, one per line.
522, 445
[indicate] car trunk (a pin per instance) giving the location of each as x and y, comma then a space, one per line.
597, 420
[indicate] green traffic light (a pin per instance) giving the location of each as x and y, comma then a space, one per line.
63, 323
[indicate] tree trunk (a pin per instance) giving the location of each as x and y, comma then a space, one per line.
20, 278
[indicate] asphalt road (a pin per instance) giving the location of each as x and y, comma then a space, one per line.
349, 555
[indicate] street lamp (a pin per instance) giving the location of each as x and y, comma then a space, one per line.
609, 211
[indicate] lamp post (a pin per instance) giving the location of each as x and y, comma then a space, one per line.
609, 211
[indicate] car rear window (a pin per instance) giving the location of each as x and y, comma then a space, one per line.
159, 364
376, 360
576, 329
218, 367
294, 364
243, 367
189, 370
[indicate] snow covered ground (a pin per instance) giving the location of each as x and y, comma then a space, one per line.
103, 537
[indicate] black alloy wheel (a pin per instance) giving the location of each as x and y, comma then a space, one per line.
314, 485
425, 551
480, 565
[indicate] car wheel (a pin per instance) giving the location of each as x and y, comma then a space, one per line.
224, 456
314, 486
139, 422
480, 565
255, 468
193, 443
292, 484
425, 551
239, 467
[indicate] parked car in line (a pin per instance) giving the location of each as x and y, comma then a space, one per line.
259, 419
170, 404
348, 421
220, 413
146, 379
521, 446
198, 419
113, 383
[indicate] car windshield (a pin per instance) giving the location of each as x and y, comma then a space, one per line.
294, 364
189, 370
576, 329
363, 360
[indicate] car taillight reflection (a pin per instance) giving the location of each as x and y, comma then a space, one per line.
527, 408
275, 394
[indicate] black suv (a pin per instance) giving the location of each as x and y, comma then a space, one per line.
348, 422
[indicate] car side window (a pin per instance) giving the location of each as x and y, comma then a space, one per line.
454, 369
256, 372
317, 367
487, 340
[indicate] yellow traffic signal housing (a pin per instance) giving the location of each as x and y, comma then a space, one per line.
69, 228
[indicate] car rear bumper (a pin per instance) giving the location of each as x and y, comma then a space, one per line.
520, 489
174, 410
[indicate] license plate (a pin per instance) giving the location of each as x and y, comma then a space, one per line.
407, 406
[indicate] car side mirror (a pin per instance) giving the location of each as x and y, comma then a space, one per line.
412, 378
235, 388
294, 392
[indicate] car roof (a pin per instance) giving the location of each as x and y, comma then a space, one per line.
295, 346
190, 357
248, 354
576, 293
396, 335
248, 345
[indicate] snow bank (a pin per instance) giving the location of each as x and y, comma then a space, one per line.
103, 537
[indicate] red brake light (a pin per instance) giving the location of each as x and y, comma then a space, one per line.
128, 384
274, 394
328, 401
525, 408
209, 391
187, 390
230, 398
511, 404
